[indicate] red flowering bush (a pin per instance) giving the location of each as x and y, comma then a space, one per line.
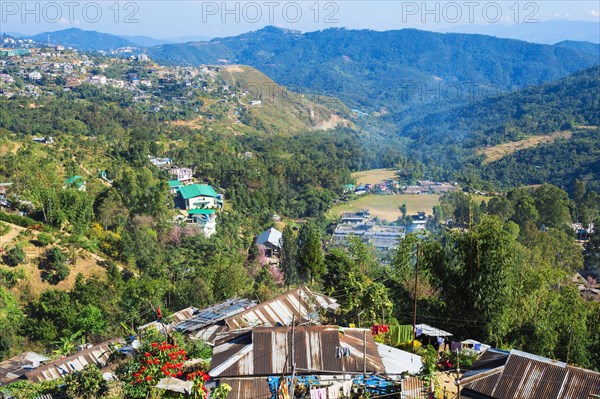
199, 378
162, 360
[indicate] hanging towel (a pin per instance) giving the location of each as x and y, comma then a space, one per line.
346, 351
477, 347
419, 331
440, 340
347, 388
322, 393
384, 328
375, 330
333, 391
314, 394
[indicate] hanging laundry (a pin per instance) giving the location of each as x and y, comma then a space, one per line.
477, 347
455, 346
338, 352
314, 394
419, 331
375, 330
283, 392
346, 351
322, 393
384, 328
440, 340
333, 391
347, 389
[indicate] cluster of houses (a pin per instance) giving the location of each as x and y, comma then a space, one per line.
293, 343
430, 187
49, 63
199, 202
359, 224
390, 187
383, 238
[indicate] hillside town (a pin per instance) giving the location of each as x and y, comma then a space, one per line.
170, 231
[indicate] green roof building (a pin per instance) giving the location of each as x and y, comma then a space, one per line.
197, 196
77, 182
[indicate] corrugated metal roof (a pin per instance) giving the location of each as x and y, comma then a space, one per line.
527, 376
15, 367
244, 388
170, 321
265, 351
97, 354
272, 236
214, 314
397, 361
301, 303
414, 388
426, 329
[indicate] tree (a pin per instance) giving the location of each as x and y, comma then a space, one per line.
87, 383
475, 275
361, 299
552, 204
55, 266
14, 256
311, 252
403, 209
289, 257
591, 252
500, 206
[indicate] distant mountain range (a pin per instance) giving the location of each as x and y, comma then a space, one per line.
387, 72
94, 41
546, 32
84, 39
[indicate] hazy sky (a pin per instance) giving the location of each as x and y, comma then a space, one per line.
168, 19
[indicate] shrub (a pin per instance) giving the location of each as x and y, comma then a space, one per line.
87, 383
55, 266
22, 221
14, 256
45, 239
4, 229
10, 278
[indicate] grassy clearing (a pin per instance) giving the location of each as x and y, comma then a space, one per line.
387, 207
497, 152
373, 176
86, 263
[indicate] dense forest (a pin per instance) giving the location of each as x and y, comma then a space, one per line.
450, 142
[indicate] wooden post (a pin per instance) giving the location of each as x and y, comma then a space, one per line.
293, 359
365, 357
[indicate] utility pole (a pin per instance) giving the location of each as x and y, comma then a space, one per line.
365, 357
458, 371
293, 359
414, 335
